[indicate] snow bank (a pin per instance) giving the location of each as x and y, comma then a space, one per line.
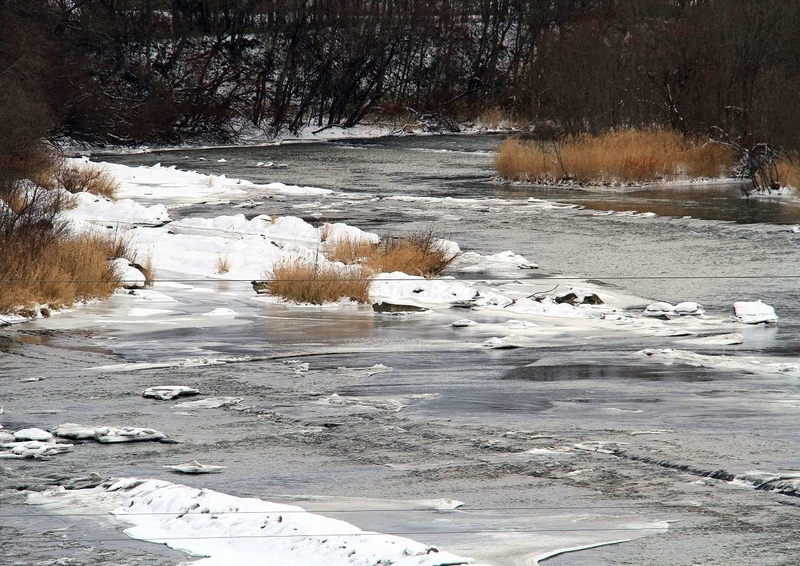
232, 530
397, 287
339, 231
104, 211
754, 312
164, 183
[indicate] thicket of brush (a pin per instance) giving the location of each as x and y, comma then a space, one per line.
420, 253
627, 156
42, 262
307, 281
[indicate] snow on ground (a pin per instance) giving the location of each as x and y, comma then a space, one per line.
232, 530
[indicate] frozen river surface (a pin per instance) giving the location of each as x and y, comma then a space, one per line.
574, 441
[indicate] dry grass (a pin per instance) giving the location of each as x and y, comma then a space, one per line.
304, 281
349, 250
789, 171
77, 178
614, 157
222, 265
492, 118
416, 254
64, 270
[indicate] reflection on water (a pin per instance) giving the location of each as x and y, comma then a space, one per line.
707, 202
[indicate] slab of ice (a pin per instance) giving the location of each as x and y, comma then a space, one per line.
754, 312
167, 392
689, 308
463, 322
400, 288
509, 257
227, 530
220, 312
735, 363
195, 467
659, 309
107, 434
33, 449
32, 434
209, 403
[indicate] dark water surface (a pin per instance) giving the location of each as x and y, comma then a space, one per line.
456, 166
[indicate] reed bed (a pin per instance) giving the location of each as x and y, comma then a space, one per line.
615, 157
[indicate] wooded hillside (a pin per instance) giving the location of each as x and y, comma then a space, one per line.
166, 71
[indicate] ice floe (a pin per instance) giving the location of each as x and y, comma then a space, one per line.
733, 363
209, 403
754, 312
225, 530
33, 449
33, 434
168, 392
107, 434
195, 467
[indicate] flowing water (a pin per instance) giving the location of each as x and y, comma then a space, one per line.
496, 429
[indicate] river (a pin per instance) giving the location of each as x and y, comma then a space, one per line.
514, 433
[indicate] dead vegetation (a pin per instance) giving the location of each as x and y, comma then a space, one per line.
222, 265
306, 281
627, 156
789, 171
419, 253
85, 177
56, 271
42, 262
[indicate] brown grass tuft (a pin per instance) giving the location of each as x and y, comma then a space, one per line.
77, 178
63, 270
349, 250
614, 157
789, 171
304, 281
222, 265
416, 254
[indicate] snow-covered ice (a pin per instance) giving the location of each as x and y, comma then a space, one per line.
754, 312
227, 530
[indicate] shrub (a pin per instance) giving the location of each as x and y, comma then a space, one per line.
615, 156
63, 269
420, 253
85, 177
306, 281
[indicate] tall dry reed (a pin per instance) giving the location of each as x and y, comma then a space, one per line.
420, 253
627, 156
306, 281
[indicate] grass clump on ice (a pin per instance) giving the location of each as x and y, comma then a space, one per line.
626, 156
305, 281
420, 253
85, 177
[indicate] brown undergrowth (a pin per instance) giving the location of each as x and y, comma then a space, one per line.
628, 156
42, 261
420, 253
308, 281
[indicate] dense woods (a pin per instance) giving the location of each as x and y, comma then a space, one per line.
166, 71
